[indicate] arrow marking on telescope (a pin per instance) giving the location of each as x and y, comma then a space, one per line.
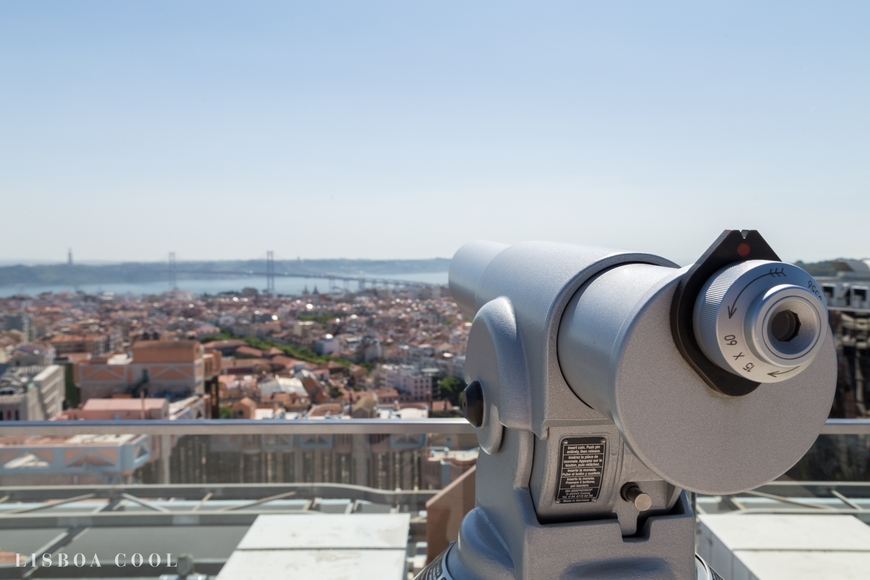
777, 374
773, 273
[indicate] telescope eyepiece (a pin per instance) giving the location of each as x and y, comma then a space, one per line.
761, 320
784, 326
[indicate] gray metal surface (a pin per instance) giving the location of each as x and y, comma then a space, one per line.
494, 337
541, 548
620, 467
466, 268
504, 538
626, 366
539, 278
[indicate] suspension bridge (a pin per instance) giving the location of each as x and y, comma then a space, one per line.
336, 281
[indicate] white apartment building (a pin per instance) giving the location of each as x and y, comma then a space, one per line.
411, 384
32, 393
327, 345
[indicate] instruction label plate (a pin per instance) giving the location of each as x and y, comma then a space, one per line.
581, 467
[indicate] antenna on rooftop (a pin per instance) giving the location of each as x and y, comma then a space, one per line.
173, 278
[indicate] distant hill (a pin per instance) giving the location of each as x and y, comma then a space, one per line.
135, 272
818, 268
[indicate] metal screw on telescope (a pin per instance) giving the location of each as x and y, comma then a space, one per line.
472, 403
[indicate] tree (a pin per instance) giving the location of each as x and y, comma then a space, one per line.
450, 389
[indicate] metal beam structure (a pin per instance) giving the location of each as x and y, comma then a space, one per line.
796, 497
241, 503
242, 492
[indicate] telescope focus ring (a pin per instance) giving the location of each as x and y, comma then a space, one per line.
761, 320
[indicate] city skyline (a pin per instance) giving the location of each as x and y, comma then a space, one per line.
403, 131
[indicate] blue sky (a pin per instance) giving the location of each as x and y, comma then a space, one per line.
404, 129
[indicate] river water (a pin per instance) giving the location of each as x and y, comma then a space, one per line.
290, 286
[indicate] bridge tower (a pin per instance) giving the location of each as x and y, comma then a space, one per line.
173, 274
270, 272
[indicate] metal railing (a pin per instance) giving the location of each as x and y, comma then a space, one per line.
239, 427
296, 427
846, 427
794, 497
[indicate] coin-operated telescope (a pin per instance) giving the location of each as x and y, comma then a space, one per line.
604, 383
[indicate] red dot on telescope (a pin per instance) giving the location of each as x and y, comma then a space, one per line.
743, 249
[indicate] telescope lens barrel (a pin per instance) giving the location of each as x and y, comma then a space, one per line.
764, 321
466, 269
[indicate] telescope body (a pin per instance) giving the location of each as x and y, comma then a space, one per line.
597, 404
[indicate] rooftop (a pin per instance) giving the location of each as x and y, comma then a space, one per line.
15, 380
124, 404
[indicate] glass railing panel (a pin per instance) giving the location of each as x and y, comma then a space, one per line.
196, 488
402, 458
832, 477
